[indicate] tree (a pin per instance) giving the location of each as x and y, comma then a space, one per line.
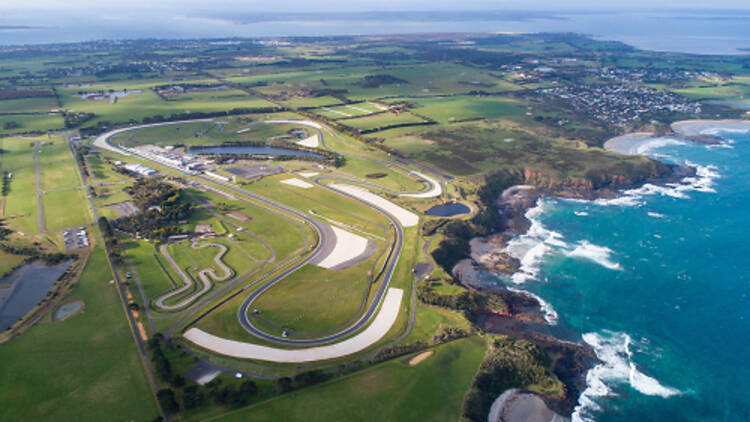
248, 387
167, 401
282, 385
192, 397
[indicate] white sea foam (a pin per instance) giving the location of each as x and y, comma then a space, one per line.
716, 131
531, 247
656, 214
616, 367
580, 213
647, 147
703, 181
599, 254
550, 315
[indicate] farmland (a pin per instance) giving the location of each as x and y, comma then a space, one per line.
258, 249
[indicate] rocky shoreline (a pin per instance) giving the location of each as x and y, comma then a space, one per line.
526, 318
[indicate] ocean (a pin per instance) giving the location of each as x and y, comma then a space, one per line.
688, 31
657, 281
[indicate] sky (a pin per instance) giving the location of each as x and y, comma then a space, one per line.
368, 5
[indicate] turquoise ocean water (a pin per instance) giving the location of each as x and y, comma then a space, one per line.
657, 281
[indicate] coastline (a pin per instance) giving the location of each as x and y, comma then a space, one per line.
696, 130
516, 206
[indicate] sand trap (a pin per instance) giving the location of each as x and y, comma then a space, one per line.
436, 190
311, 142
308, 174
416, 360
347, 249
377, 330
405, 217
297, 182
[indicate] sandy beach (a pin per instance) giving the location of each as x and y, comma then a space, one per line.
689, 130
699, 127
627, 144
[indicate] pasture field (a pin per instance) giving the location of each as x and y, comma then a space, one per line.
59, 175
735, 88
394, 391
63, 209
381, 121
347, 110
20, 205
310, 102
30, 123
142, 102
28, 105
44, 376
459, 108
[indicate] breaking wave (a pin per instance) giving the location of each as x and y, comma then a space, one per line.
599, 254
616, 367
703, 181
530, 248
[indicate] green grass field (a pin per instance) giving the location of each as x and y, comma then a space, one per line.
31, 123
28, 105
383, 120
63, 209
313, 299
458, 108
21, 202
392, 391
85, 368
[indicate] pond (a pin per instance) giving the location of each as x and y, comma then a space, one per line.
251, 150
448, 209
25, 287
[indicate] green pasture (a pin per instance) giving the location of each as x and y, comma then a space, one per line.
393, 391
28, 105
30, 123
63, 209
381, 121
458, 108
20, 206
53, 369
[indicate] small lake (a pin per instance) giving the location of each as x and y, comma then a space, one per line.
448, 210
25, 287
250, 150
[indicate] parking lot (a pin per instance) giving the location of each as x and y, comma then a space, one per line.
76, 238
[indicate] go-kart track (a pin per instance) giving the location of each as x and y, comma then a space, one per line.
336, 249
